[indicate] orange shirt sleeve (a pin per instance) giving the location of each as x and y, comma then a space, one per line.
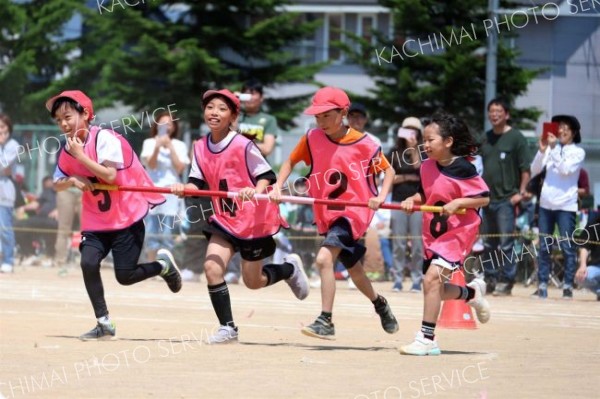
300, 152
380, 164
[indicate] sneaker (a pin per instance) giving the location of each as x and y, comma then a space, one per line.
397, 287
503, 289
231, 278
171, 272
188, 275
102, 332
351, 285
388, 321
421, 346
568, 293
320, 329
416, 288
298, 282
224, 335
540, 293
6, 268
478, 302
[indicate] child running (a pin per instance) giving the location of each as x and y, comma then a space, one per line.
227, 161
344, 163
449, 180
110, 220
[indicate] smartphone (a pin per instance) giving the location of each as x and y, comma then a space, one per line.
407, 133
162, 130
244, 96
549, 128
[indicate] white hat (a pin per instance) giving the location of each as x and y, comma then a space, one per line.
413, 122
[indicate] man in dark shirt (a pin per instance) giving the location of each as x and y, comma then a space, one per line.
506, 163
588, 274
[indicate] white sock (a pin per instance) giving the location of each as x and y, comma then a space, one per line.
104, 320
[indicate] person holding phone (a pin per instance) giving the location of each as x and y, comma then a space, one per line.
165, 158
563, 159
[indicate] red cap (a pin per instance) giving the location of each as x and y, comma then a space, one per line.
326, 99
225, 93
77, 96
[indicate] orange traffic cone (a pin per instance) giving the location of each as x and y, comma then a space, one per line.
455, 312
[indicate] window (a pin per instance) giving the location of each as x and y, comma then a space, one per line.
334, 33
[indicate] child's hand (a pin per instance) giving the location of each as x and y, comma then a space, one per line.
82, 183
407, 205
246, 193
375, 202
74, 146
178, 189
275, 195
451, 208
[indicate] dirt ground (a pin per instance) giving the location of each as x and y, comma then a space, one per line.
529, 349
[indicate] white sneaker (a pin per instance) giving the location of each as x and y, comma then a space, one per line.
315, 284
351, 285
298, 282
232, 278
479, 303
6, 268
188, 275
421, 346
224, 335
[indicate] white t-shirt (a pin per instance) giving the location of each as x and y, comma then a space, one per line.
257, 165
108, 148
164, 174
8, 159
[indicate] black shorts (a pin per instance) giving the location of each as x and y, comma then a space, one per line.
126, 244
340, 236
250, 250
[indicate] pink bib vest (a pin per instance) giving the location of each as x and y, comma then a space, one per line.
111, 210
341, 171
450, 237
228, 171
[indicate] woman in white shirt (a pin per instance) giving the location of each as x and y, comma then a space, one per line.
8, 158
165, 158
563, 160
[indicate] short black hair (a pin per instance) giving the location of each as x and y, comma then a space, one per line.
253, 85
60, 101
464, 144
499, 101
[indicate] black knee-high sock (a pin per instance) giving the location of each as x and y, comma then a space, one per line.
276, 273
219, 297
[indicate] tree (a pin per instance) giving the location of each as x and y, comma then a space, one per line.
156, 53
436, 60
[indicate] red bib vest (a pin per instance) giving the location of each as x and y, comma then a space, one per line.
111, 210
341, 171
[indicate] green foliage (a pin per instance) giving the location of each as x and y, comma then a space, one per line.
445, 69
157, 53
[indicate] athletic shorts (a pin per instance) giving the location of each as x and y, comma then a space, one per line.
438, 260
250, 250
126, 244
340, 236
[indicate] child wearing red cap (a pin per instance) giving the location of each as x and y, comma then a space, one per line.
344, 163
110, 220
242, 224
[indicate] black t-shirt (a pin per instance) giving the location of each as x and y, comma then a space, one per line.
591, 233
402, 191
47, 201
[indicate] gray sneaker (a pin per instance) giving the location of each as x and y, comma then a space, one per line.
388, 321
171, 272
224, 335
320, 329
298, 282
102, 332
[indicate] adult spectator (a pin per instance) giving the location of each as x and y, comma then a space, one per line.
40, 223
506, 163
405, 158
588, 273
165, 158
562, 158
358, 118
255, 124
8, 193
